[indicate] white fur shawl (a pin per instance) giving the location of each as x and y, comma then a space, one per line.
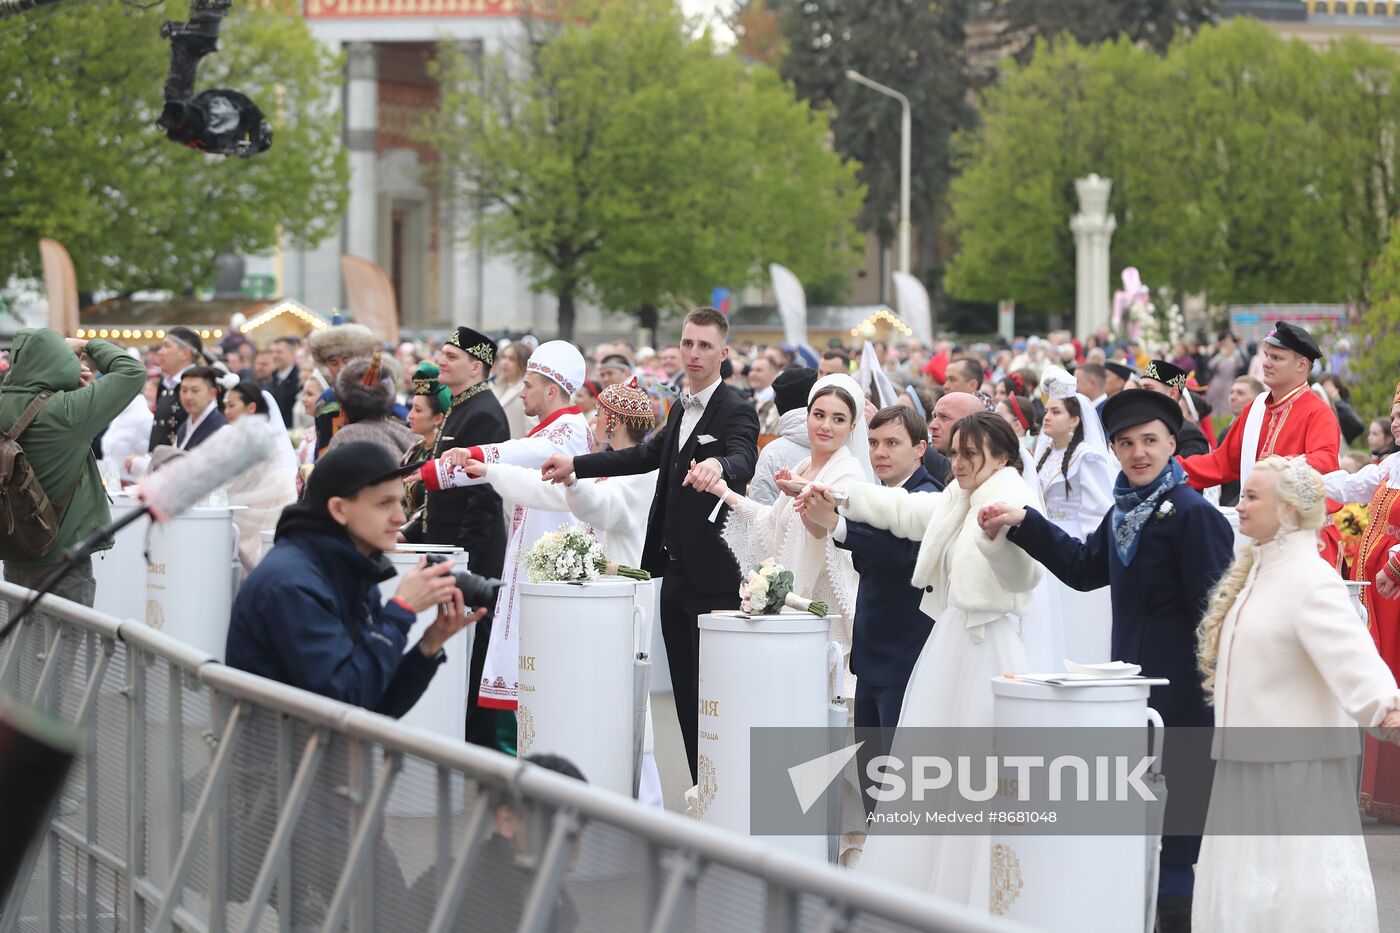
983, 578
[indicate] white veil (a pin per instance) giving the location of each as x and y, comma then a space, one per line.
286, 455
1056, 383
858, 443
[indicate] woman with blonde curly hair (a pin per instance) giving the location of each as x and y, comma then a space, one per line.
1281, 646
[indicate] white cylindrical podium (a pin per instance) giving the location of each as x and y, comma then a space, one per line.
121, 571
189, 578
266, 537
577, 646
1084, 884
442, 709
760, 671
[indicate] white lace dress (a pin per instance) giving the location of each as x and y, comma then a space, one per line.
820, 570
1077, 503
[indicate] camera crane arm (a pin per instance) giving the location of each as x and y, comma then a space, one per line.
218, 121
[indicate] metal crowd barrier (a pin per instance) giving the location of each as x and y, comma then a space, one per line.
211, 800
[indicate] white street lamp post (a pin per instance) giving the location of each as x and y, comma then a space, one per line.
904, 133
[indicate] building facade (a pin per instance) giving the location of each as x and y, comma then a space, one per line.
396, 216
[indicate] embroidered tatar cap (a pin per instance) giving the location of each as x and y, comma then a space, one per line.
630, 403
560, 362
474, 343
425, 383
1166, 373
1056, 383
1396, 397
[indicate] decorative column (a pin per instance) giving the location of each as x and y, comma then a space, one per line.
361, 138
1093, 230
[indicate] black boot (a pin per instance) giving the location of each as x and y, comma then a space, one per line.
1174, 914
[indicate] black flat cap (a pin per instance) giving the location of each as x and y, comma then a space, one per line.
1133, 407
1295, 338
1121, 370
351, 467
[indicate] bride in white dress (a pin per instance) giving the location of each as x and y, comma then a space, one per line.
1076, 486
822, 571
978, 589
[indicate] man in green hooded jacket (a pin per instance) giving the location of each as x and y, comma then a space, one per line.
58, 442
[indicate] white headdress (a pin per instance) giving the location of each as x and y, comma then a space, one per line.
858, 443
560, 362
1056, 383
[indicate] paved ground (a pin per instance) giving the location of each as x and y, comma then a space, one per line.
1382, 841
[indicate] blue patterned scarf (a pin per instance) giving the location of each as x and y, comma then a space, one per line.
1134, 505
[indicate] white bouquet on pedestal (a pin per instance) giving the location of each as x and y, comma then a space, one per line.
570, 555
769, 588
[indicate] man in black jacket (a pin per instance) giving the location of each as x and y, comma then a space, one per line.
1167, 379
715, 432
284, 383
180, 350
469, 517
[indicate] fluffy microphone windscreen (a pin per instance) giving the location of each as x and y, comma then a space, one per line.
227, 453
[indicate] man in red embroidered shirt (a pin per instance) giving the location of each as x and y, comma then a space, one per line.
1287, 420
553, 374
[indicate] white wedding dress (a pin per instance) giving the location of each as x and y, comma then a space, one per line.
1077, 504
980, 594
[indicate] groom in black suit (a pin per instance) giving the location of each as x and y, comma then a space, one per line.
715, 430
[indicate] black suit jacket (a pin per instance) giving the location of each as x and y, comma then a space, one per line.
679, 523
169, 416
285, 391
206, 427
889, 629
470, 517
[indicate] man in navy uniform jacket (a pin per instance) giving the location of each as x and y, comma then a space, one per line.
1160, 549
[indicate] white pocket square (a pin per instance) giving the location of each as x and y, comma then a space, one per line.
706, 439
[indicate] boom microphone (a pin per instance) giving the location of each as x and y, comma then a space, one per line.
230, 451
169, 492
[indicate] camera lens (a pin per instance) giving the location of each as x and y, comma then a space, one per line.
476, 590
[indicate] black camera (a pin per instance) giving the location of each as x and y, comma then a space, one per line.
476, 590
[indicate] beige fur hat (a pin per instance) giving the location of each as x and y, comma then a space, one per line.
346, 341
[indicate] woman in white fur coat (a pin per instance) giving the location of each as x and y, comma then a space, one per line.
978, 589
1282, 647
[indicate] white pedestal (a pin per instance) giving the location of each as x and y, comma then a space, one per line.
577, 646
1084, 884
442, 709
190, 580
121, 571
266, 536
764, 671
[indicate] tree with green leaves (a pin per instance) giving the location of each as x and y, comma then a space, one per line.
917, 48
1378, 343
1154, 23
625, 162
1245, 168
82, 161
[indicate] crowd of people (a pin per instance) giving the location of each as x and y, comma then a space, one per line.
965, 510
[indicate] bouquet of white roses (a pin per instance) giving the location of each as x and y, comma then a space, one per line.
769, 588
572, 554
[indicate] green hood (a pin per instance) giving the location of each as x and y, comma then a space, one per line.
41, 359
57, 443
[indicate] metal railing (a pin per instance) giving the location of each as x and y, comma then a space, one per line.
212, 800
